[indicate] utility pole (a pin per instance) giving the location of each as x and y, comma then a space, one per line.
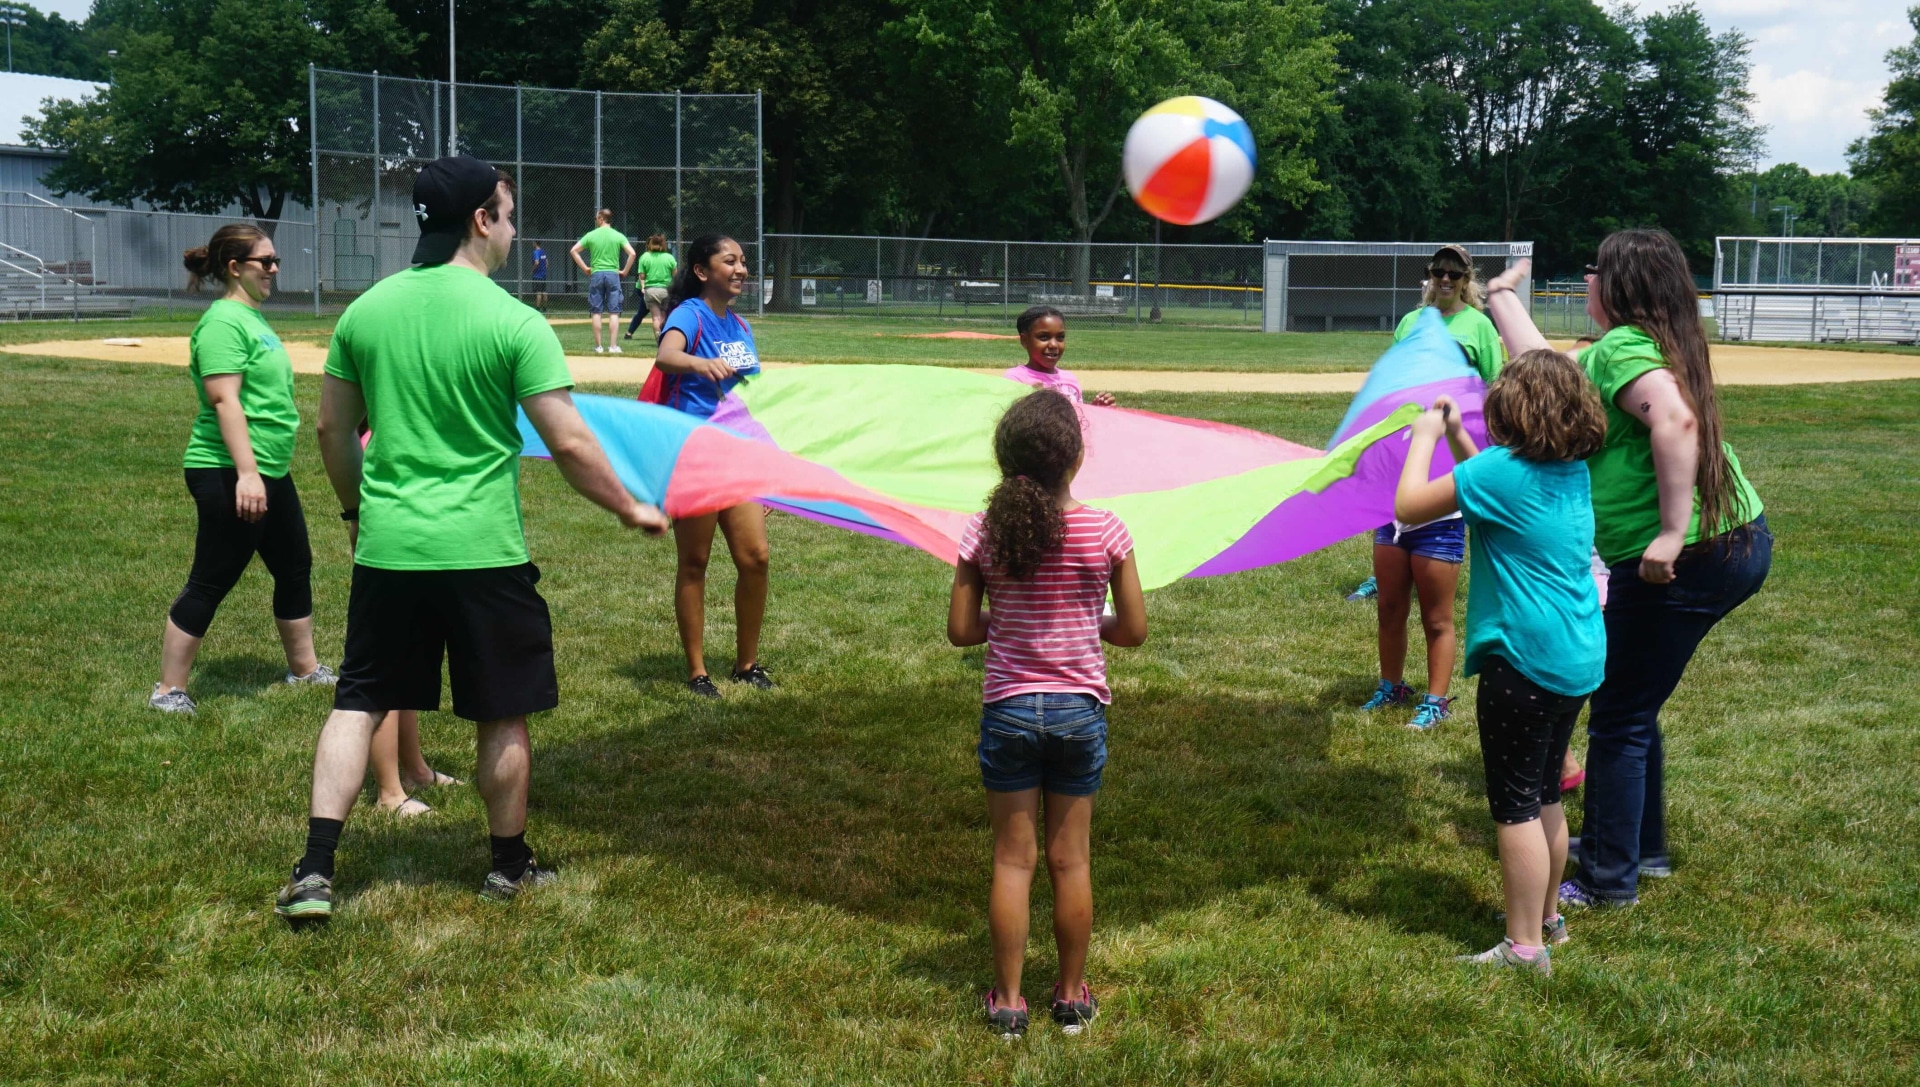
12, 15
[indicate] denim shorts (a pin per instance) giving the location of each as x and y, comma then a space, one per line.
1053, 742
603, 292
1443, 541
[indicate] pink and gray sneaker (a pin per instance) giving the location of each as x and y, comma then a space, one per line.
1074, 1016
1008, 1023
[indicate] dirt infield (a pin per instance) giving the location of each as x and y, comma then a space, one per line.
1733, 364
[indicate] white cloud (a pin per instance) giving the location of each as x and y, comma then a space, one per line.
1817, 69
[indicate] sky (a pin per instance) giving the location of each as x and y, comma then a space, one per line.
1818, 66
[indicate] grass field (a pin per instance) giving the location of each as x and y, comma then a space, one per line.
789, 887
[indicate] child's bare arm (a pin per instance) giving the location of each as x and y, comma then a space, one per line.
966, 621
1418, 499
1127, 626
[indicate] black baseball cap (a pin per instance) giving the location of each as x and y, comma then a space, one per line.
446, 193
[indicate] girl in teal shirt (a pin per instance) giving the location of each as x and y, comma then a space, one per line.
1534, 633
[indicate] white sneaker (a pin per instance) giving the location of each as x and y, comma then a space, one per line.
1503, 955
171, 700
598, 350
321, 676
613, 349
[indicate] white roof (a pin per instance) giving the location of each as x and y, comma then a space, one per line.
21, 95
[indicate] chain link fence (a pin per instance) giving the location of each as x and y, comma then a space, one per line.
1217, 285
680, 165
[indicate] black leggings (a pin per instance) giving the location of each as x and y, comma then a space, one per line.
1524, 729
224, 545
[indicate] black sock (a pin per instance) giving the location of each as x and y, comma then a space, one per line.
511, 855
323, 837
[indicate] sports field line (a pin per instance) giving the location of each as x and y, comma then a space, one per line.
1733, 364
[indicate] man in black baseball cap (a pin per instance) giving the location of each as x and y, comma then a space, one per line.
436, 359
446, 193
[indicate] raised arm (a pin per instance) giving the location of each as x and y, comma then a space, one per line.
583, 464
1654, 398
1418, 499
1509, 313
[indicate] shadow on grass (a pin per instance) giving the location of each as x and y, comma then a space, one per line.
240, 676
868, 800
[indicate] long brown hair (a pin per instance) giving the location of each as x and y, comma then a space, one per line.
1644, 281
1544, 409
1037, 444
208, 263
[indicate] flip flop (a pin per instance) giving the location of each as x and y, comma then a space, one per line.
1568, 785
410, 808
438, 781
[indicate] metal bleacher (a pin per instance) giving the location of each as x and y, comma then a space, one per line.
1777, 316
34, 289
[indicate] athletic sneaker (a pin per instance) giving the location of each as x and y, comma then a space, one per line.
1074, 1016
1555, 931
498, 888
321, 676
598, 350
1651, 868
703, 686
309, 898
171, 701
1388, 693
754, 676
1008, 1023
613, 349
1573, 896
1433, 710
1502, 954
1367, 590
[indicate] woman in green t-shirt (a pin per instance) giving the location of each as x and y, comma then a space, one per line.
1428, 556
238, 467
1676, 521
656, 269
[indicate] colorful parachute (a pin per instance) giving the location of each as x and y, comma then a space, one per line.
905, 453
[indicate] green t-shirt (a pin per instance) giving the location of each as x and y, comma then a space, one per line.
1626, 498
443, 356
656, 269
232, 338
604, 246
1477, 336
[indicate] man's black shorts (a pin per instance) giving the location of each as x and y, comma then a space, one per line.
491, 625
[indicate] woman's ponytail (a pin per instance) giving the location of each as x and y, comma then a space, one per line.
208, 263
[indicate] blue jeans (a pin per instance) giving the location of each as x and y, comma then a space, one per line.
1053, 742
603, 293
1652, 632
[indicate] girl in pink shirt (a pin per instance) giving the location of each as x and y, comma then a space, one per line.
1045, 563
1043, 332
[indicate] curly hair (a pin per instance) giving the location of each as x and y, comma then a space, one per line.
1544, 409
1037, 443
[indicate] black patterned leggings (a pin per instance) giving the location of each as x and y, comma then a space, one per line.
1524, 730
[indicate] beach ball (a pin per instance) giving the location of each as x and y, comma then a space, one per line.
1187, 160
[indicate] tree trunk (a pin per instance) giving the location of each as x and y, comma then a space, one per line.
786, 219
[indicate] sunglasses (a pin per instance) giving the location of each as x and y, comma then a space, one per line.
1448, 274
264, 262
1593, 269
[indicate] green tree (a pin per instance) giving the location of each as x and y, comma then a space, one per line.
209, 100
1072, 77
51, 45
1889, 156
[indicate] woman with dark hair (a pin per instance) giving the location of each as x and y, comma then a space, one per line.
1676, 521
705, 350
238, 462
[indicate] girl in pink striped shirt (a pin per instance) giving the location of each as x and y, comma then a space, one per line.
1045, 563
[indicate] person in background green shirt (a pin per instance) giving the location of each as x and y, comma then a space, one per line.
1681, 529
1429, 556
656, 275
439, 362
609, 257
238, 467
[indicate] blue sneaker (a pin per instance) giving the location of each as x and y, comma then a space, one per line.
1367, 591
1433, 710
1575, 897
1388, 693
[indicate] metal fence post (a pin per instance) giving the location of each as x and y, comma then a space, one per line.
1006, 280
759, 188
679, 238
373, 209
1136, 286
520, 179
313, 152
598, 154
